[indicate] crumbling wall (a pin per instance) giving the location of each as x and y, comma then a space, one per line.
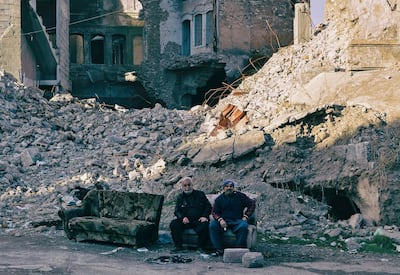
372, 30
244, 29
251, 29
240, 30
62, 34
373, 42
103, 74
10, 36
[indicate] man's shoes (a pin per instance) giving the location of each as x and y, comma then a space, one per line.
177, 249
203, 251
217, 253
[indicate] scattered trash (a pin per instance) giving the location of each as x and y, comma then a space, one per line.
352, 251
112, 251
169, 259
384, 260
311, 245
204, 256
301, 199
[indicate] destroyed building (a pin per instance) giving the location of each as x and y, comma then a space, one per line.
106, 50
135, 53
34, 42
321, 118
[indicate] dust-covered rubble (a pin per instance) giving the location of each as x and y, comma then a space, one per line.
298, 155
51, 148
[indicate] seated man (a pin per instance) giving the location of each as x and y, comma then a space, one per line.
231, 210
192, 210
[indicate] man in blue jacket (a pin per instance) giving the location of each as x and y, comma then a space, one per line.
231, 210
192, 210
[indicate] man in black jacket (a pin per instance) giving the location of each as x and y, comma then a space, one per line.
192, 210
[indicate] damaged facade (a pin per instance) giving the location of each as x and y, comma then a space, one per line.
106, 50
136, 53
196, 45
34, 42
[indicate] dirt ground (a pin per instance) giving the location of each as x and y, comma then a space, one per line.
55, 254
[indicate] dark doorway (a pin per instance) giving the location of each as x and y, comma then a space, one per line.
206, 93
97, 49
342, 206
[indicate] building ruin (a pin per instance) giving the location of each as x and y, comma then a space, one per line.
136, 53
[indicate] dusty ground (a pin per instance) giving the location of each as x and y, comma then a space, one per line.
54, 254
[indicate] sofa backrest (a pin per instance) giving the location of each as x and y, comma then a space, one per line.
124, 205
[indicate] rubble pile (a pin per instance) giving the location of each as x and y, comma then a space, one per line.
313, 135
50, 147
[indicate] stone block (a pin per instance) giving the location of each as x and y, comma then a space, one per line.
253, 259
30, 156
234, 255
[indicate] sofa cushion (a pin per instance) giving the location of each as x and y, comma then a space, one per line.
110, 225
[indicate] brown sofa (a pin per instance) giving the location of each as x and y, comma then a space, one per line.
190, 236
115, 217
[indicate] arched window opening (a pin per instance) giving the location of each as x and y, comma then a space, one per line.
209, 29
118, 49
76, 53
186, 38
198, 30
97, 49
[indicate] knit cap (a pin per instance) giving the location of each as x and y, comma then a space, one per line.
228, 181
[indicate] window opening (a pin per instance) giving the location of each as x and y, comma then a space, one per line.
186, 38
97, 49
118, 48
76, 54
209, 28
198, 30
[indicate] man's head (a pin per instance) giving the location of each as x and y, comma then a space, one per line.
187, 185
229, 186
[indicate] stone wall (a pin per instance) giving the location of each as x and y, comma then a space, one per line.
252, 28
10, 37
105, 77
17, 55
241, 32
62, 12
372, 30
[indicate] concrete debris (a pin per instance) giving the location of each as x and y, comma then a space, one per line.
314, 137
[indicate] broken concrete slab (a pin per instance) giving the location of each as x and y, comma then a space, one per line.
233, 147
248, 142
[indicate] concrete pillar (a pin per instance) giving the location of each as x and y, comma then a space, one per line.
86, 47
302, 23
108, 50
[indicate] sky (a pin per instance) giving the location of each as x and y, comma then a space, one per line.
317, 11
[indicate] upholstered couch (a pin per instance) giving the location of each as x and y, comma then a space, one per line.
190, 236
115, 217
